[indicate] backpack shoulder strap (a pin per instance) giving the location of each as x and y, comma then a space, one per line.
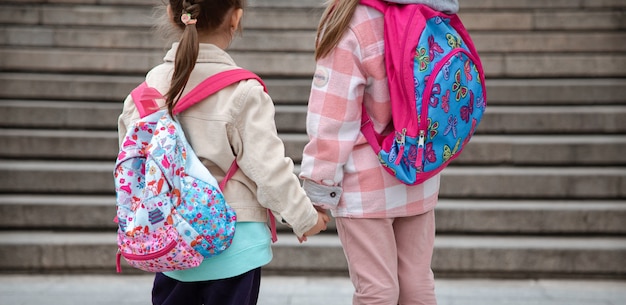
214, 84
231, 171
367, 126
144, 98
376, 4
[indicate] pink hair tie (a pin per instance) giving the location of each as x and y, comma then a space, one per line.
186, 19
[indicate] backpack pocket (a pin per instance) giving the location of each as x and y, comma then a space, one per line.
157, 251
452, 105
207, 216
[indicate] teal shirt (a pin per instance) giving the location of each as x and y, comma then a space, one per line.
251, 249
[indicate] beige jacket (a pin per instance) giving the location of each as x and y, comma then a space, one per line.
237, 122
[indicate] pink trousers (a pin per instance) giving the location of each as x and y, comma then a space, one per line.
389, 259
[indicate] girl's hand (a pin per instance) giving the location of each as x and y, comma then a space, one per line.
322, 220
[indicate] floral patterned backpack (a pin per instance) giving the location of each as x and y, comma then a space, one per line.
437, 91
171, 213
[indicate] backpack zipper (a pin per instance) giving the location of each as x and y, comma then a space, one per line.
420, 151
136, 257
145, 257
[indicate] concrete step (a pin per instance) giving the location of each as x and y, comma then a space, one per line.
138, 38
538, 120
541, 217
477, 15
546, 150
575, 150
49, 251
57, 212
60, 114
476, 255
534, 182
498, 120
107, 88
89, 14
518, 65
541, 19
524, 92
509, 65
548, 182
556, 4
300, 40
547, 41
84, 13
59, 144
454, 216
564, 91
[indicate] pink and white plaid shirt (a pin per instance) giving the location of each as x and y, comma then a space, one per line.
340, 169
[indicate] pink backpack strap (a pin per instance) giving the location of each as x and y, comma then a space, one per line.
144, 98
231, 171
214, 84
377, 4
367, 128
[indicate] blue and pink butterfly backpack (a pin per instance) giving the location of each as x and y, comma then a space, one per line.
437, 91
171, 212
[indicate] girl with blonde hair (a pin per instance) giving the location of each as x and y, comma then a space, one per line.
387, 228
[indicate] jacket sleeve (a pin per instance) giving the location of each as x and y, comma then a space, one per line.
261, 156
333, 120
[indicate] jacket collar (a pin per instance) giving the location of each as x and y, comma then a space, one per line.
208, 53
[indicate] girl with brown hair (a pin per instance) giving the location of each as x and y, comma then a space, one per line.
236, 123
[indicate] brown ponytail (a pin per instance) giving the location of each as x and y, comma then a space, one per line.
209, 16
333, 24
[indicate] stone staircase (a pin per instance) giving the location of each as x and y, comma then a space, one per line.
540, 191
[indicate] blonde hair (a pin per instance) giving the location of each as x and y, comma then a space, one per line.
333, 24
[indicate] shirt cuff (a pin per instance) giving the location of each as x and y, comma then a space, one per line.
322, 195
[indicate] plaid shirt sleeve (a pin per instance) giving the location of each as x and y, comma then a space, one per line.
334, 116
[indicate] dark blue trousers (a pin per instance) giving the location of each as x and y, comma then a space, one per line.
239, 290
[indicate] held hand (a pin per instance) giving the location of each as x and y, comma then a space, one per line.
322, 220
320, 209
